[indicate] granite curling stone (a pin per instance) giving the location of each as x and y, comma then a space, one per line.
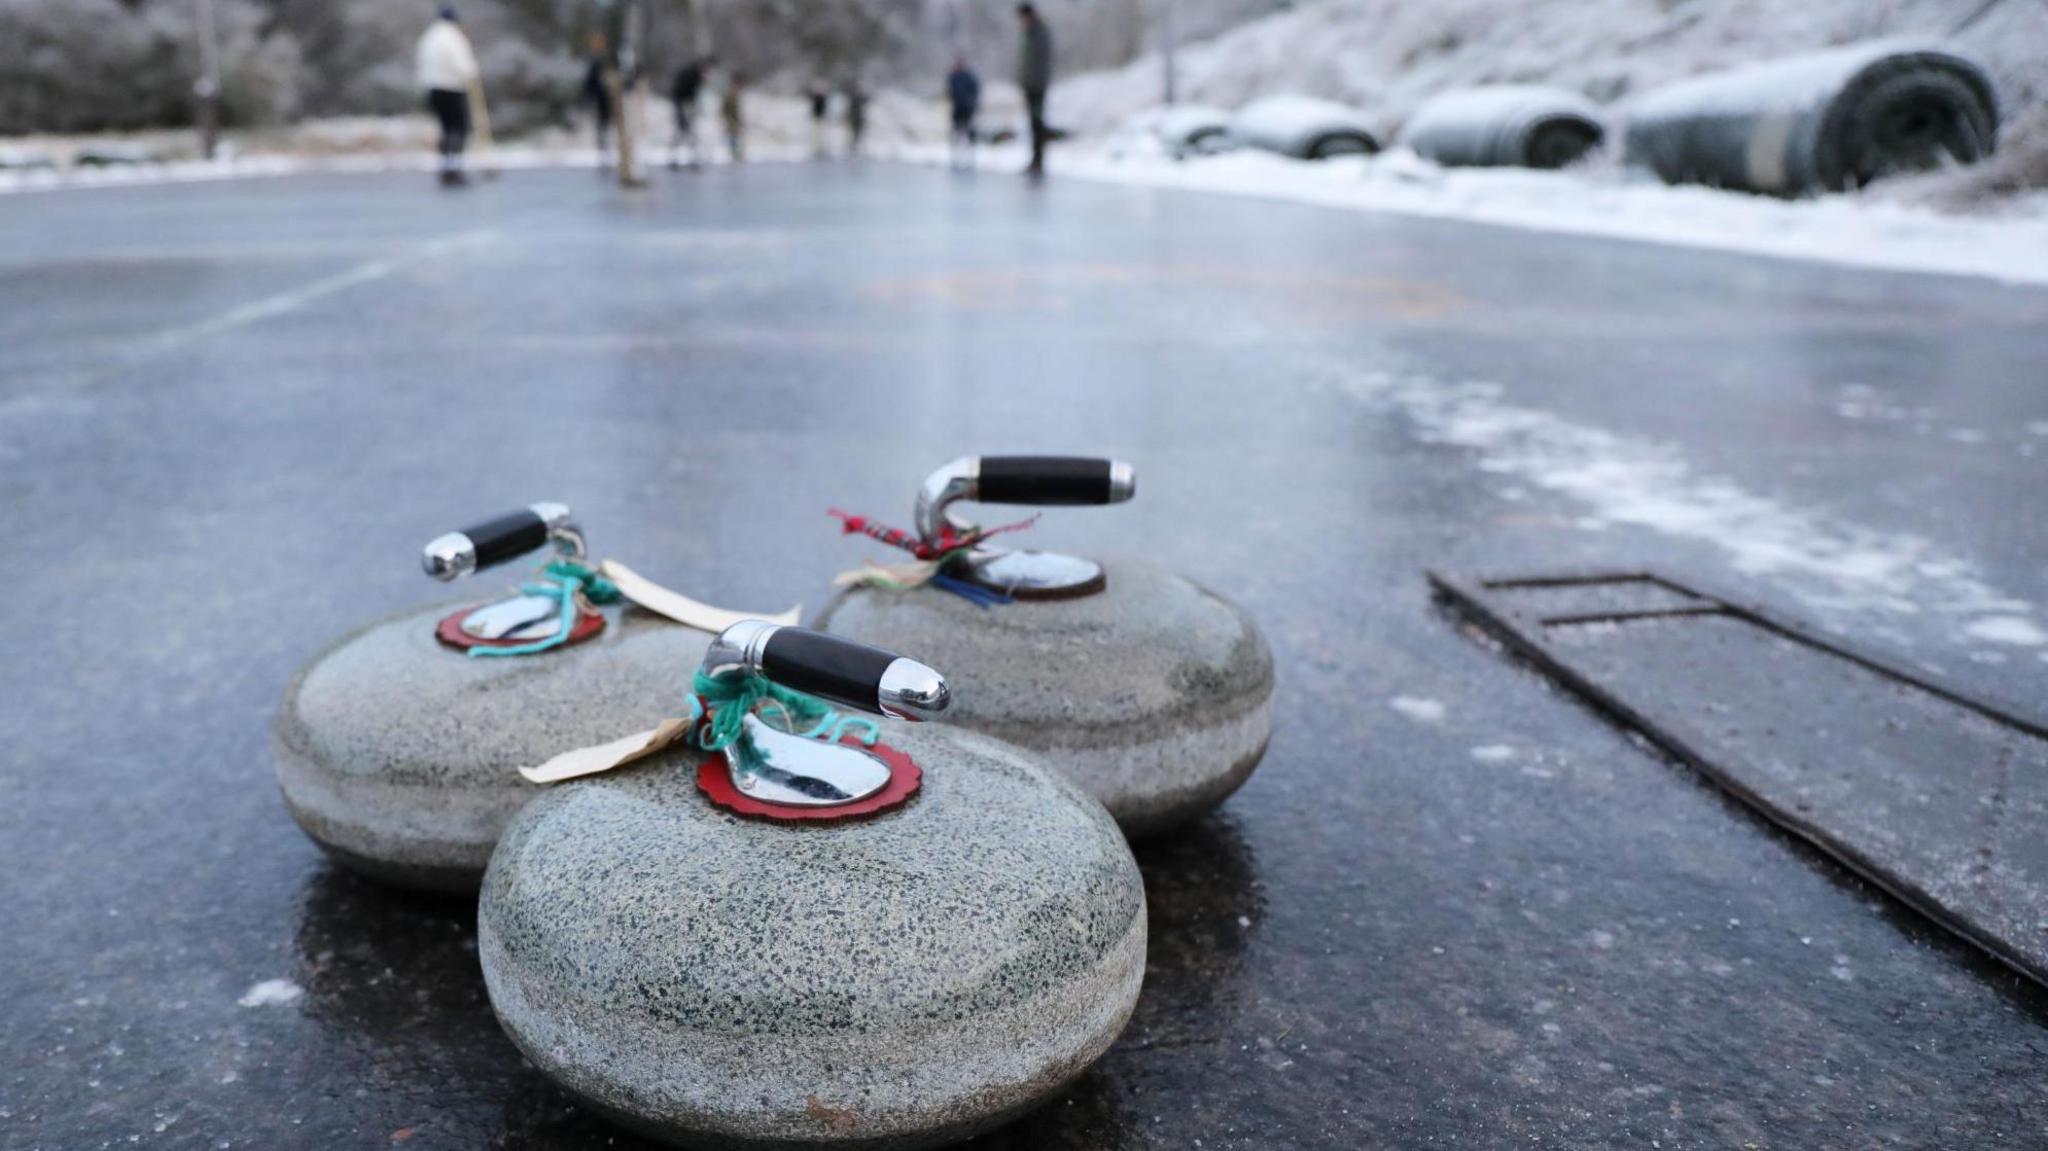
1152, 692
399, 753
902, 978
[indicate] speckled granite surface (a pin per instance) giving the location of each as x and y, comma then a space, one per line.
902, 980
1155, 694
400, 755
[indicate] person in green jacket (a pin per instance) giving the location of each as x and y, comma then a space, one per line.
1034, 76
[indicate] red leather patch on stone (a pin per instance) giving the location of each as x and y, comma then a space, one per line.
449, 631
715, 781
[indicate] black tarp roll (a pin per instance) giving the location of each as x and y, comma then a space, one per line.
1826, 121
1505, 125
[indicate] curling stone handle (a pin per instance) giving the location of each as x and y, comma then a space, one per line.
839, 670
499, 539
1041, 481
1055, 480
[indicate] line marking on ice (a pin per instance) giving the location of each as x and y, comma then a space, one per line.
293, 299
139, 350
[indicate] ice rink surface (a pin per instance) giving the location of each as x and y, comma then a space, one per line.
1453, 908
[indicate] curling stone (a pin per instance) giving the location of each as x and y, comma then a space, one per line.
1152, 692
398, 747
887, 938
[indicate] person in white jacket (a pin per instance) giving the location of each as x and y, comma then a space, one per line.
447, 69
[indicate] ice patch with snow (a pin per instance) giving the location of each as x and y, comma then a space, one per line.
1619, 480
1417, 708
2008, 629
1850, 229
271, 993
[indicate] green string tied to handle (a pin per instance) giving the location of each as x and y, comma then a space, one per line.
734, 695
563, 578
596, 588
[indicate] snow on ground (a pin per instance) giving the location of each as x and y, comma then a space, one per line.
1838, 569
271, 993
1851, 229
779, 129
1859, 230
1388, 56
1417, 708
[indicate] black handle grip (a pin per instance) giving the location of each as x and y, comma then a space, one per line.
1044, 480
826, 666
507, 537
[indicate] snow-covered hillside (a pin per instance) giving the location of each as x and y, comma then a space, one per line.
1387, 56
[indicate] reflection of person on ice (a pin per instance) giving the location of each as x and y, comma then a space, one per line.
1034, 75
446, 67
963, 95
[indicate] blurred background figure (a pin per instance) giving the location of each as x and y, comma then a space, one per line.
821, 100
446, 67
684, 94
856, 116
597, 90
1034, 76
963, 97
732, 110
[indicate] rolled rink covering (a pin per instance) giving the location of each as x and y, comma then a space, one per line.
1505, 126
1192, 130
1825, 121
1304, 127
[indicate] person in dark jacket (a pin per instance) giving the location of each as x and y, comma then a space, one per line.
856, 116
684, 94
963, 94
1034, 76
597, 88
821, 106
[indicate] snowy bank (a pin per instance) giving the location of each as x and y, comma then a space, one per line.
779, 128
1858, 230
1391, 57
